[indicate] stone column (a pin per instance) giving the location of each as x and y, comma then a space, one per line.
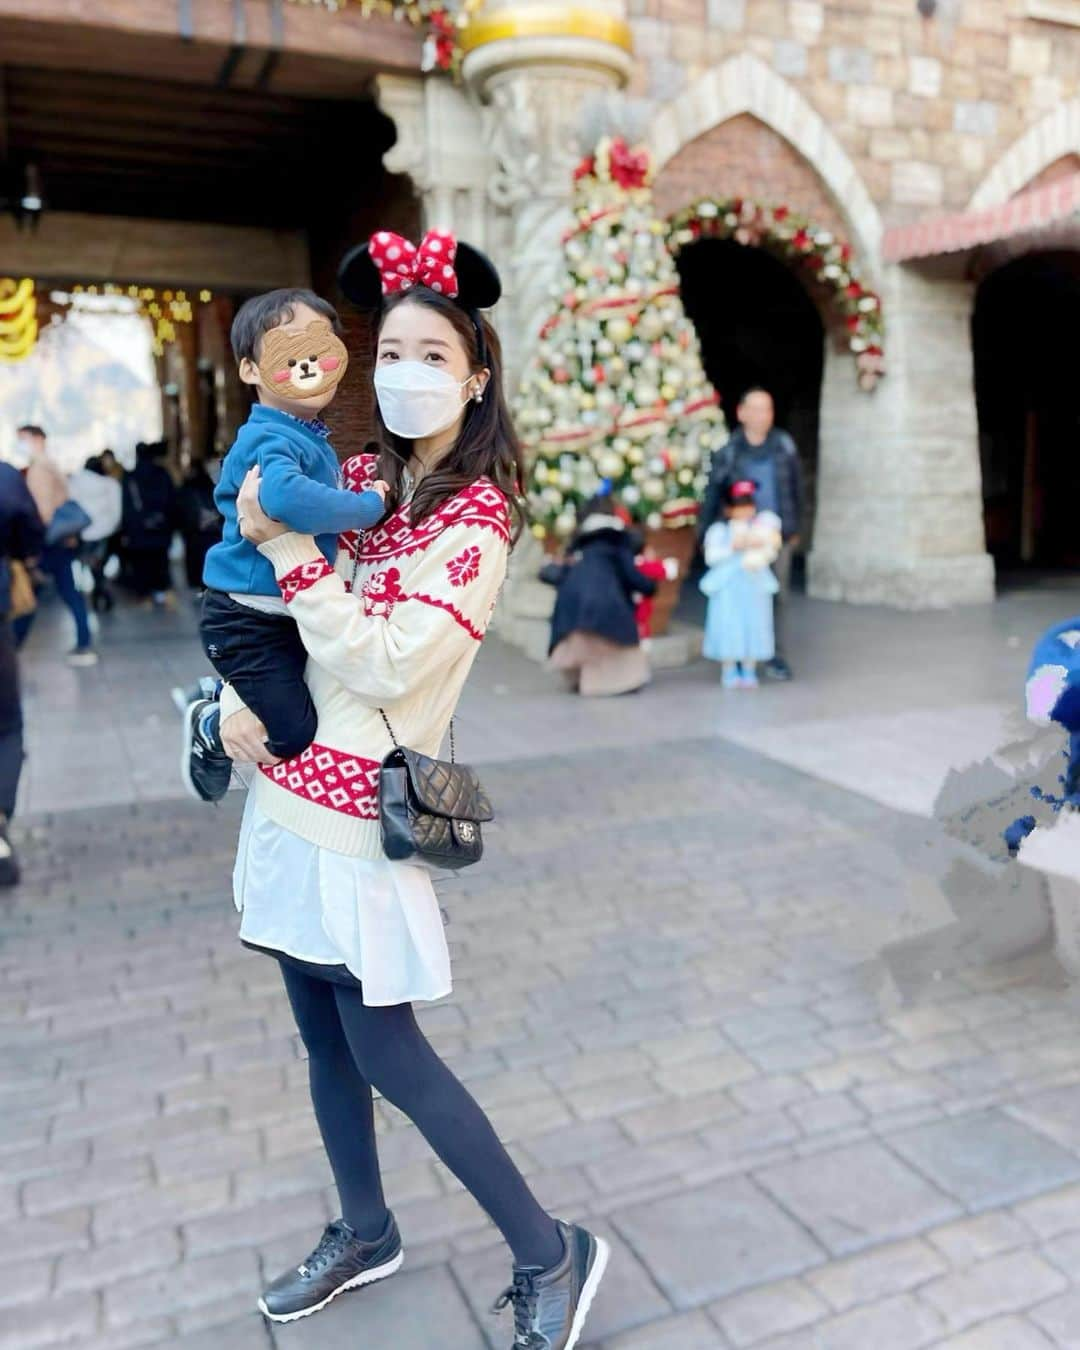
533, 67
440, 145
900, 511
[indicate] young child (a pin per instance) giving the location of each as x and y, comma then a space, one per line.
656, 569
288, 349
740, 585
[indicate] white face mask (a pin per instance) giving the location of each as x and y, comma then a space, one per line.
417, 400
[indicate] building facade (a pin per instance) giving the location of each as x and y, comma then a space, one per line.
875, 122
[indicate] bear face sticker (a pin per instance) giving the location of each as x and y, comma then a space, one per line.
303, 365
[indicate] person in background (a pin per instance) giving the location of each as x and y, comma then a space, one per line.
760, 452
112, 466
659, 570
49, 489
100, 496
739, 550
594, 633
150, 516
200, 520
22, 537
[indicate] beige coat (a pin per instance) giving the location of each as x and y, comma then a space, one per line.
47, 485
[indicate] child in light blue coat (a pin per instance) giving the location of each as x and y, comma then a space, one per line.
740, 585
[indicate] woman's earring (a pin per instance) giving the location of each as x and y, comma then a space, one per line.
478, 397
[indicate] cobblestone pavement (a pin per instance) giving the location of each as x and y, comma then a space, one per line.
669, 996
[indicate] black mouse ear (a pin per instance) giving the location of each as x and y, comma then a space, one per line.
359, 278
479, 286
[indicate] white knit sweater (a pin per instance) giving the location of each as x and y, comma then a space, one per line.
401, 636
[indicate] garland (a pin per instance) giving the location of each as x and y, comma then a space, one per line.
18, 318
163, 310
444, 24
796, 241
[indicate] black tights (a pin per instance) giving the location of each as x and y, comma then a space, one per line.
353, 1048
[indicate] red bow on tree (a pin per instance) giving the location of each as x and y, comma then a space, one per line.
628, 169
402, 265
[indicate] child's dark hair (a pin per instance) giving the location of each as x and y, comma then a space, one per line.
263, 312
487, 446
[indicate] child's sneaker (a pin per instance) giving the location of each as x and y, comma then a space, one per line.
204, 766
731, 678
749, 678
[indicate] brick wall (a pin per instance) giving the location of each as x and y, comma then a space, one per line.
923, 108
744, 158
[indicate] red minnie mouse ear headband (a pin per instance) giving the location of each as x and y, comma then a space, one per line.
389, 264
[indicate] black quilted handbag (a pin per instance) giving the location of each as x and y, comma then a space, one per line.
430, 810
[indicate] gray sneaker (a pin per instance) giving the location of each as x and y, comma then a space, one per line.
340, 1261
550, 1306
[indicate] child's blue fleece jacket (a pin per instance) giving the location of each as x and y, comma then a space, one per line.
301, 487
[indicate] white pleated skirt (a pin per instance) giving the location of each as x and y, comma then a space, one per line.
378, 918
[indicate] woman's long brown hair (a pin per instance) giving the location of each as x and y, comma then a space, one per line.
487, 446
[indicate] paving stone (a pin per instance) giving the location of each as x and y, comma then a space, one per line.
681, 1115
1053, 1113
404, 1313
684, 1331
757, 1314
854, 1196
1003, 1333
154, 1332
695, 1258
244, 1333
623, 1170
196, 1281
26, 1282
832, 1112
45, 1195
900, 1323
891, 1269
747, 1135
165, 1206
61, 1319
1059, 1318
241, 1228
970, 1240
1053, 1213
1004, 1284
986, 1160
577, 1145
46, 1236
117, 1260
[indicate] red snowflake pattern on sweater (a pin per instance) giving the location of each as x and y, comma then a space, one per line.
481, 504
331, 778
300, 578
465, 568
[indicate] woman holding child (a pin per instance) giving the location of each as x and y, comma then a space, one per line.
391, 618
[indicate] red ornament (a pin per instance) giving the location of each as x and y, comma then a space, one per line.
586, 169
845, 252
781, 213
560, 375
814, 261
853, 322
853, 290
630, 169
599, 373
695, 228
800, 239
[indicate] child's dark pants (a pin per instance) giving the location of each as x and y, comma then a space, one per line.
262, 657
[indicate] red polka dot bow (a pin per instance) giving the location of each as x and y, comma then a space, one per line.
402, 265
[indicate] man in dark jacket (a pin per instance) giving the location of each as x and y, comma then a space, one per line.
768, 457
21, 536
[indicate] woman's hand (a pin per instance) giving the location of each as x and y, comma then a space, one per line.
255, 525
244, 738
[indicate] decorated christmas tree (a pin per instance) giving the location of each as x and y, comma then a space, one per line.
617, 395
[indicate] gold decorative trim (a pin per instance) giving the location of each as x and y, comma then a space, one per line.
545, 21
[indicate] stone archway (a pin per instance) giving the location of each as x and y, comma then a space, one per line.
1056, 137
746, 85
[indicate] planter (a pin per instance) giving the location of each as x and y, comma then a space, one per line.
680, 544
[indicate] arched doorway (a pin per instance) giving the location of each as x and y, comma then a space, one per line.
1027, 313
758, 326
